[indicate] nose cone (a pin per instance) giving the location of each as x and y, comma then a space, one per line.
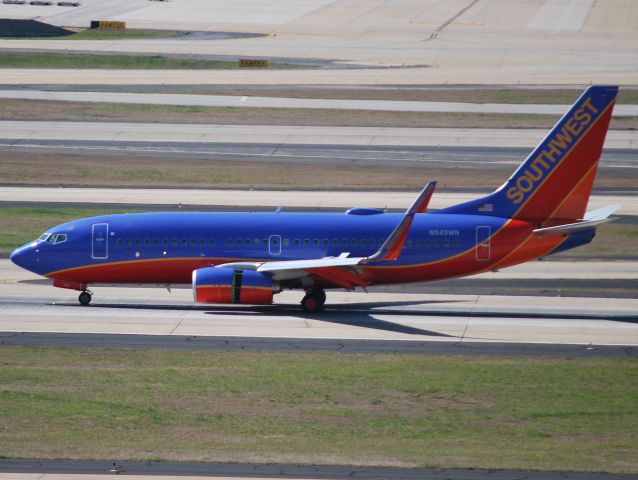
25, 256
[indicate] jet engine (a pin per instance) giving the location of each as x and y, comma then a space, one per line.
228, 285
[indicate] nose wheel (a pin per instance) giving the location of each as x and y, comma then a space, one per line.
85, 298
314, 300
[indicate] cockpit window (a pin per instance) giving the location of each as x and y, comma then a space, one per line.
55, 238
44, 237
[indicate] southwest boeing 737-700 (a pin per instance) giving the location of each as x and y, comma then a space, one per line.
245, 258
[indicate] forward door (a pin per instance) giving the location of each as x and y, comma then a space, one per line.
100, 241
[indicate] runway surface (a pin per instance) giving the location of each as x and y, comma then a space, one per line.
326, 136
28, 305
275, 102
95, 470
315, 200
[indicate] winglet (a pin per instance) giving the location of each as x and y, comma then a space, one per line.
393, 245
425, 196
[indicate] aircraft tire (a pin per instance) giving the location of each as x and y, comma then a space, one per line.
311, 303
84, 298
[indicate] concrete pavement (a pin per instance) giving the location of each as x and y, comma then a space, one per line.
292, 134
273, 198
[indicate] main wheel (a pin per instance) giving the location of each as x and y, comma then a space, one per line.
84, 298
311, 303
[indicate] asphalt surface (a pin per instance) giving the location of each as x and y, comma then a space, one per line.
621, 160
287, 471
292, 345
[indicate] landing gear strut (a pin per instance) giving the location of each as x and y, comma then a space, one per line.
314, 300
85, 297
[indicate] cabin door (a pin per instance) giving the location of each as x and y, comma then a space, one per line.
100, 240
274, 244
483, 246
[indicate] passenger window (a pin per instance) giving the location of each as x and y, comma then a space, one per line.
129, 242
306, 242
362, 242
316, 242
418, 242
184, 242
335, 242
202, 242
193, 242
165, 242
256, 242
286, 242
297, 242
446, 243
437, 243
138, 242
118, 242
211, 242
174, 241
457, 243
326, 242
147, 242
229, 242
427, 243
248, 242
239, 242
274, 241
156, 242
344, 242
353, 242
409, 242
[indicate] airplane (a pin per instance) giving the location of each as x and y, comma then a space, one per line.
247, 257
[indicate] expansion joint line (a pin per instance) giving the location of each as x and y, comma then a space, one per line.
440, 28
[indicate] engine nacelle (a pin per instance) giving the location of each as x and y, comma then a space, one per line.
227, 285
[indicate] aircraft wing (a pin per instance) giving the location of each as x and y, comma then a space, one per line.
342, 270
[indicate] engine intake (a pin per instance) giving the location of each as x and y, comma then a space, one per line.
227, 285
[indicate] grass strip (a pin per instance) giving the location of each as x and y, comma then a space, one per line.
19, 109
19, 225
135, 62
481, 412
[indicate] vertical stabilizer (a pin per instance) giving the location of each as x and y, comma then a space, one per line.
554, 183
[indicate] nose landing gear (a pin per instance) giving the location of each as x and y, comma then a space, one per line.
85, 297
313, 300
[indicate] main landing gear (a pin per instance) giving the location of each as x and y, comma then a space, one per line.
85, 297
314, 300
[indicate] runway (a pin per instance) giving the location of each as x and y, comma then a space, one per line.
96, 469
438, 42
308, 103
28, 305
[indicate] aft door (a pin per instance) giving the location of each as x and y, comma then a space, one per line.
483, 247
100, 240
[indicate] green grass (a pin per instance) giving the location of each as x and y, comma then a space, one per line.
97, 34
21, 225
145, 62
507, 412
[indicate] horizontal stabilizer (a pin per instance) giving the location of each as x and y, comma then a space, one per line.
593, 218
